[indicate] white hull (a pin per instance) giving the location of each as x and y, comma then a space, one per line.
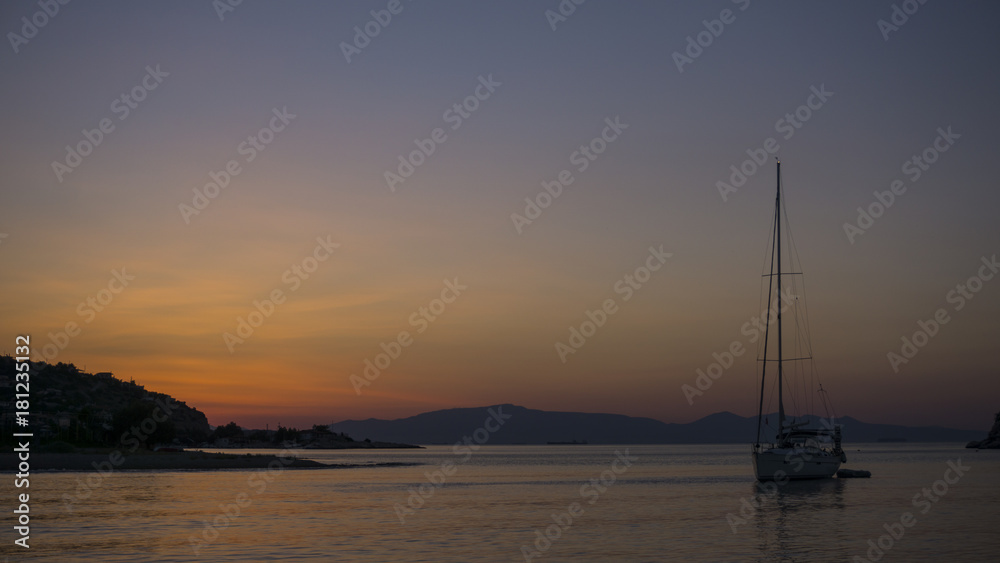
777, 464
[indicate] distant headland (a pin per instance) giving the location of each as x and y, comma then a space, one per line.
76, 415
992, 440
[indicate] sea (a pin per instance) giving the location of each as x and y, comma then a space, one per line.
923, 502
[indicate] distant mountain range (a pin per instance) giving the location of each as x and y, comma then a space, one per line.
529, 426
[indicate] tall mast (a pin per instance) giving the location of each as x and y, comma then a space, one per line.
777, 237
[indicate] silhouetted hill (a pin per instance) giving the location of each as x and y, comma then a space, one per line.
530, 426
73, 406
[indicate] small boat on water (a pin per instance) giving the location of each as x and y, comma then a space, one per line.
801, 449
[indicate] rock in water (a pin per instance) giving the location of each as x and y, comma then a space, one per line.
992, 441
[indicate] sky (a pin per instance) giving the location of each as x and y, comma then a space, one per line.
376, 167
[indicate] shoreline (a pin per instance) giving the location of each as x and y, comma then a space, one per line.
190, 460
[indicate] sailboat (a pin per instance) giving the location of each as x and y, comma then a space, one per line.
798, 451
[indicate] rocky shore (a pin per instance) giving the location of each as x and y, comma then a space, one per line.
992, 441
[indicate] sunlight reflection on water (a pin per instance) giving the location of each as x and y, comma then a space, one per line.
671, 504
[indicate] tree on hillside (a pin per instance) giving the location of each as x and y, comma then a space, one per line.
136, 420
87, 428
283, 435
231, 431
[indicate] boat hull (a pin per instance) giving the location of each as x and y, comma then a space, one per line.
778, 464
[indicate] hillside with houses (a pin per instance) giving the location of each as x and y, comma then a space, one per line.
71, 408
84, 409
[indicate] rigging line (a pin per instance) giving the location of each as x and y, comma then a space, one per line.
805, 332
803, 336
829, 401
797, 261
798, 368
804, 346
803, 317
791, 383
802, 339
803, 325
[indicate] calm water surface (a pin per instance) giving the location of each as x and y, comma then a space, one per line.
673, 503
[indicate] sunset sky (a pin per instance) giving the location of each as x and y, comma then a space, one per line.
207, 83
